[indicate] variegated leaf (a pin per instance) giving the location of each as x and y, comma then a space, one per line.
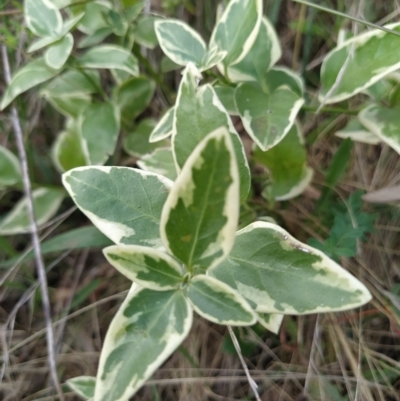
212, 58
43, 18
270, 321
278, 274
219, 303
93, 19
164, 127
146, 330
83, 386
146, 266
226, 95
10, 168
198, 111
200, 215
282, 76
358, 133
180, 42
99, 127
57, 54
237, 29
123, 203
383, 122
287, 165
160, 161
68, 150
46, 202
30, 75
374, 50
109, 57
145, 33
267, 118
264, 53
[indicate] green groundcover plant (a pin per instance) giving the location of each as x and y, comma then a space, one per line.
174, 220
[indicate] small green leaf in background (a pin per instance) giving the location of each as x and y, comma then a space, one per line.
160, 161
200, 216
46, 202
93, 19
180, 42
198, 112
133, 97
146, 266
276, 273
164, 127
30, 75
267, 118
148, 328
108, 57
10, 168
219, 303
374, 50
99, 126
383, 122
123, 203
79, 238
145, 33
83, 386
237, 29
68, 150
43, 18
264, 53
287, 164
137, 142
357, 133
57, 54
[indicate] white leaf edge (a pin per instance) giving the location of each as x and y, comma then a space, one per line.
274, 323
154, 136
47, 55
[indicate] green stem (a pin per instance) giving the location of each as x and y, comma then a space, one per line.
331, 110
343, 15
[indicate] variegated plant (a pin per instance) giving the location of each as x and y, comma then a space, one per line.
177, 242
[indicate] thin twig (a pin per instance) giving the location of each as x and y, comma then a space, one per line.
252, 383
34, 233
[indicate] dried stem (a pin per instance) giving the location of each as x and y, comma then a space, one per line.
34, 233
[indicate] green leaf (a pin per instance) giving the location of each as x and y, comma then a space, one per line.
133, 96
180, 42
287, 164
108, 57
282, 76
358, 133
57, 54
83, 386
137, 142
212, 57
237, 29
226, 95
123, 203
200, 216
270, 321
30, 75
164, 127
43, 18
219, 303
267, 118
264, 53
68, 151
278, 274
375, 51
95, 38
148, 327
80, 238
384, 123
46, 202
93, 19
145, 33
198, 111
10, 168
160, 161
99, 126
146, 266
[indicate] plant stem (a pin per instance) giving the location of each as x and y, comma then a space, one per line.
34, 233
339, 14
330, 110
